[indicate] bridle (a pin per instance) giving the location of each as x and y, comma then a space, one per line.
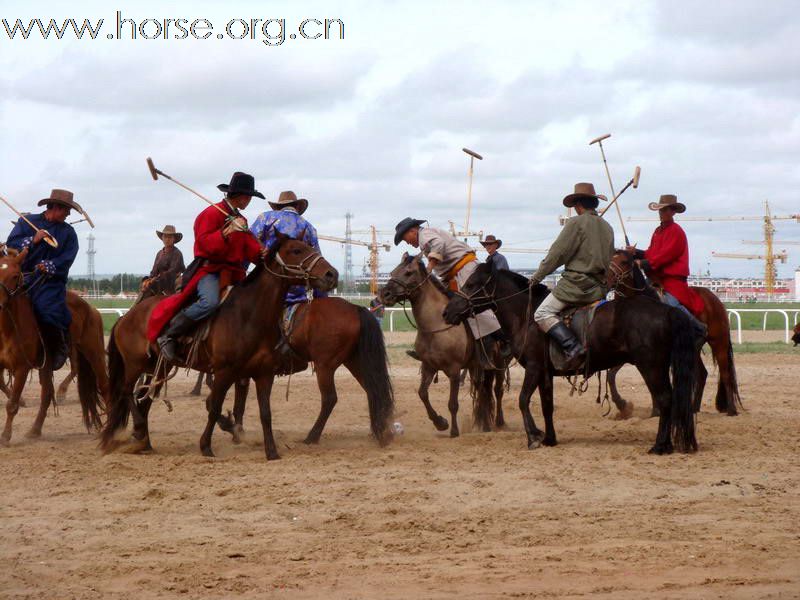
620, 277
11, 293
301, 270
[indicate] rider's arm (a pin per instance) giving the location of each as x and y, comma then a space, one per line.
67, 251
669, 248
21, 236
560, 252
432, 262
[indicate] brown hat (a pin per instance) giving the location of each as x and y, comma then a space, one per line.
62, 197
289, 198
668, 200
584, 191
169, 230
490, 239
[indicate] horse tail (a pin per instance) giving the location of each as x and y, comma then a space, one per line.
727, 399
373, 364
481, 391
119, 409
683, 358
88, 393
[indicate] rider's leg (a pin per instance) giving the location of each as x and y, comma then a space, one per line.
546, 317
182, 323
700, 329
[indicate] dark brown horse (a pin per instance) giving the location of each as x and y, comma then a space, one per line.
627, 280
446, 348
21, 350
331, 332
796, 334
240, 344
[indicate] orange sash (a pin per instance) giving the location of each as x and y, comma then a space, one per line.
451, 275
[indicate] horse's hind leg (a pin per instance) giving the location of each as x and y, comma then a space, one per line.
61, 392
424, 384
546, 397
624, 407
499, 391
47, 396
328, 397
197, 390
240, 391
222, 382
12, 406
727, 393
529, 385
700, 384
263, 392
452, 402
658, 383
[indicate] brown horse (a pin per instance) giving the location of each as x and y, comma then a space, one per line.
796, 334
240, 344
446, 348
331, 332
21, 351
626, 279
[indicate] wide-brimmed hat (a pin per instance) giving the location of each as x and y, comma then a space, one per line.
242, 184
169, 230
490, 239
62, 197
403, 226
288, 198
668, 200
584, 191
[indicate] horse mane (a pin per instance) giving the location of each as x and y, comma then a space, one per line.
437, 283
522, 282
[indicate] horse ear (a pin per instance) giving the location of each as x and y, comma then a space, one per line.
405, 257
12, 252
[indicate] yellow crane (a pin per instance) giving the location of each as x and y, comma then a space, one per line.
769, 256
374, 247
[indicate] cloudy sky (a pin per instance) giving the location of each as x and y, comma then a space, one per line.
704, 96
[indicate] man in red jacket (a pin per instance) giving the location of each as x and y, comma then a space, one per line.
223, 246
666, 261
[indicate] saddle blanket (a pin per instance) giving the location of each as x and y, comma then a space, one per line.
578, 319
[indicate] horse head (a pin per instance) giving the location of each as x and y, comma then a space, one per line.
11, 274
475, 296
625, 277
300, 264
404, 280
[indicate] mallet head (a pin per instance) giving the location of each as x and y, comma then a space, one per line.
636, 174
152, 167
600, 139
471, 153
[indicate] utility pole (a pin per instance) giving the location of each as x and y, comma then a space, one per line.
90, 253
348, 254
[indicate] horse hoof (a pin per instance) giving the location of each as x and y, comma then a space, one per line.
441, 423
549, 441
238, 434
207, 452
311, 441
4, 442
33, 434
136, 446
534, 443
454, 433
273, 456
660, 449
626, 412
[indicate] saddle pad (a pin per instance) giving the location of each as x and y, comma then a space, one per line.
578, 319
287, 318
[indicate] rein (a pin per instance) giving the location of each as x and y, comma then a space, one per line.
20, 289
408, 291
620, 279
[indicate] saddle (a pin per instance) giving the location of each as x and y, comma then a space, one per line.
290, 362
578, 319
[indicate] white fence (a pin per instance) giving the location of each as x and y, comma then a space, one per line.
784, 312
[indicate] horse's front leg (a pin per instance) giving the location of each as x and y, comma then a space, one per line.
529, 385
240, 391
499, 392
425, 381
12, 406
222, 382
452, 402
47, 396
263, 391
658, 383
624, 407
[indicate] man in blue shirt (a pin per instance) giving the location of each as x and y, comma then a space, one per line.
496, 260
46, 268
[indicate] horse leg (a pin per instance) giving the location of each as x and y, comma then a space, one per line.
222, 382
424, 384
47, 396
658, 383
727, 394
546, 398
327, 390
61, 393
529, 384
452, 402
700, 384
140, 410
12, 406
197, 390
624, 407
499, 391
263, 391
240, 391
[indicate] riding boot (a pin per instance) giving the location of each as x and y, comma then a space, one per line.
168, 341
413, 354
484, 347
504, 344
56, 342
573, 350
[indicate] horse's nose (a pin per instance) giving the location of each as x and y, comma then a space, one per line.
331, 277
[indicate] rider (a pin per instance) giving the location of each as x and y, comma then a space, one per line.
666, 261
454, 261
223, 246
47, 269
495, 259
585, 247
286, 218
168, 264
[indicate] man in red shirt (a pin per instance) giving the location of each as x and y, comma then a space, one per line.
223, 246
666, 261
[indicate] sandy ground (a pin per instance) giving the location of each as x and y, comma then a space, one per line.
427, 517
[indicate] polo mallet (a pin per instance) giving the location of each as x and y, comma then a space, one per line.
156, 172
48, 238
472, 157
599, 142
86, 218
633, 182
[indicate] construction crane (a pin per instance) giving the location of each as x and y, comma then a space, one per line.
769, 256
374, 247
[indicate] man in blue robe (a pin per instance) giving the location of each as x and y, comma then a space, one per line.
46, 269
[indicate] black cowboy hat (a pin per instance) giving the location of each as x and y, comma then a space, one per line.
242, 184
403, 226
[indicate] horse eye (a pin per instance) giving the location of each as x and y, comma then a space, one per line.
297, 251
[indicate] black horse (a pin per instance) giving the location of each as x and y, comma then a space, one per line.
638, 330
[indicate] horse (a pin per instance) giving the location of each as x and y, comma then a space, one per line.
796, 334
446, 348
240, 343
627, 280
331, 332
652, 336
22, 350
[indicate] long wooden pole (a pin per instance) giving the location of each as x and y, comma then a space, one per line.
49, 238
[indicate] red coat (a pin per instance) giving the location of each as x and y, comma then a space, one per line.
225, 256
668, 256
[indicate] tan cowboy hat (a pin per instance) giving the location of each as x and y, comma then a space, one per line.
62, 197
583, 191
490, 239
668, 200
169, 230
288, 198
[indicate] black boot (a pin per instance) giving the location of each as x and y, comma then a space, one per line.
56, 342
570, 344
168, 341
413, 354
